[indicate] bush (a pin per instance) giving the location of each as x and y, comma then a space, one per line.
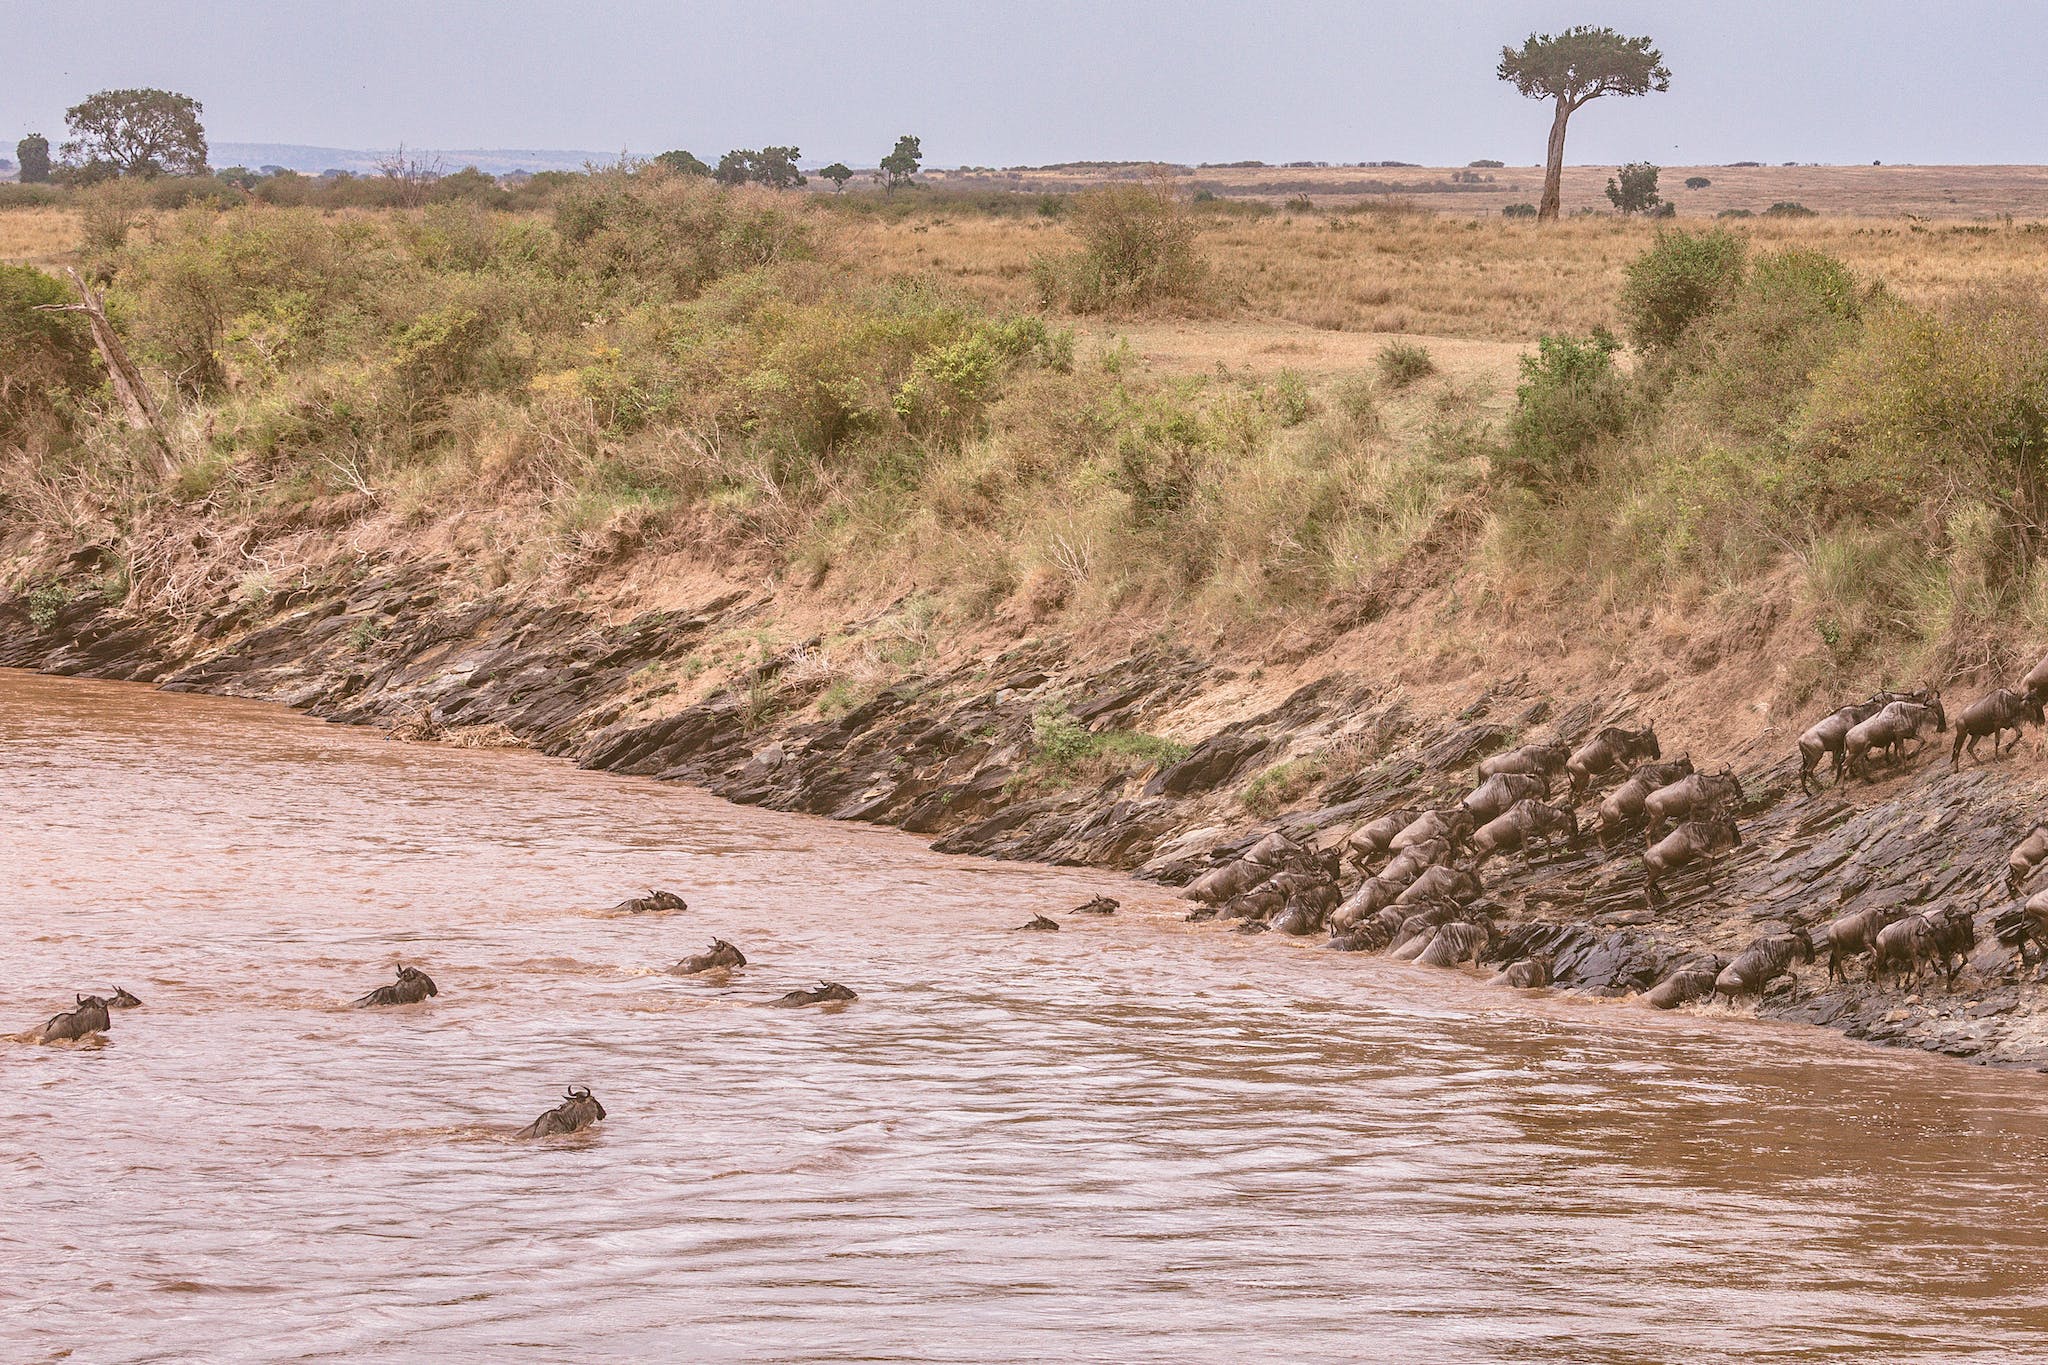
1754, 360
1680, 279
1570, 399
1697, 182
1786, 208
45, 358
1518, 211
1736, 213
1137, 252
1402, 363
1636, 189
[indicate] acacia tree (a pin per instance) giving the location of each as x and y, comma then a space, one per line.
901, 165
33, 152
137, 132
1575, 66
682, 163
838, 173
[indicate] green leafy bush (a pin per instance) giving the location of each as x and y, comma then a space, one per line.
1137, 252
1681, 278
1571, 398
46, 359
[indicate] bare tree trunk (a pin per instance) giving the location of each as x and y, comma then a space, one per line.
1553, 168
121, 372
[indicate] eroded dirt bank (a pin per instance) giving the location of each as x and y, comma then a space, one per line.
954, 751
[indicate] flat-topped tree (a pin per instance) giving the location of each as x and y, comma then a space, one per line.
137, 132
1570, 68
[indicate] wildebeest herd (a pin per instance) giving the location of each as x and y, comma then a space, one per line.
89, 1015
1410, 881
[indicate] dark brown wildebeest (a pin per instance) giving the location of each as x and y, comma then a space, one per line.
412, 986
653, 903
1442, 882
1608, 750
1393, 879
88, 1016
1233, 879
721, 956
1419, 927
1456, 942
1370, 839
1308, 909
2027, 924
1039, 924
1856, 932
2026, 856
1689, 981
1493, 796
1453, 825
1623, 806
1692, 796
825, 992
1545, 760
1526, 824
1690, 842
1992, 715
1825, 736
1527, 974
1099, 905
1763, 961
1932, 936
121, 1000
1367, 936
1889, 729
2035, 684
575, 1113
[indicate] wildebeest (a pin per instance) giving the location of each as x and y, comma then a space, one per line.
1528, 973
1547, 760
1442, 882
122, 1000
1856, 932
1418, 927
825, 992
578, 1111
1689, 981
1693, 795
1099, 905
1220, 884
1825, 735
1039, 924
1493, 796
1992, 715
1456, 942
1453, 825
1527, 823
718, 956
1370, 839
1690, 842
1393, 879
2026, 856
1607, 750
1623, 806
1762, 961
1932, 935
88, 1016
1890, 728
654, 902
412, 986
1367, 936
2028, 924
2035, 684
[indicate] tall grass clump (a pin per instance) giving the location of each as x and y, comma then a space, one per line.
1137, 253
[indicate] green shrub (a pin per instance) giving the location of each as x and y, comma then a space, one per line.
1402, 363
1681, 278
1064, 750
1137, 252
1786, 208
46, 359
1570, 399
1753, 361
1736, 213
1518, 211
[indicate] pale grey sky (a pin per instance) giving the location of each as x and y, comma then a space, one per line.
1031, 81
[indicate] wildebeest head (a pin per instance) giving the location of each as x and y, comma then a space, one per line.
122, 1000
1803, 941
581, 1096
1647, 739
412, 975
1940, 716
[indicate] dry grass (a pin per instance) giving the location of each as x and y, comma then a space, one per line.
38, 236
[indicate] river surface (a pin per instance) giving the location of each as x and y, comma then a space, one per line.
1133, 1140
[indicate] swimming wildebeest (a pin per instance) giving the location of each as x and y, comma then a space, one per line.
1692, 796
1526, 824
1233, 879
1890, 728
825, 992
1690, 842
1623, 806
1825, 736
1493, 796
2026, 856
1853, 933
1039, 924
1932, 935
1099, 905
654, 902
1453, 824
122, 1000
1992, 715
578, 1111
88, 1016
1763, 961
1689, 981
1456, 942
718, 956
412, 986
1526, 974
1370, 839
1606, 751
1546, 760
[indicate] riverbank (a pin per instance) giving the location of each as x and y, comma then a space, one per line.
1159, 760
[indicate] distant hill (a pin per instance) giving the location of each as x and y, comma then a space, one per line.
313, 160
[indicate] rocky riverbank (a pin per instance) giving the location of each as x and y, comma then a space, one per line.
1017, 751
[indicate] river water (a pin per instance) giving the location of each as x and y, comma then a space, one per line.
1133, 1140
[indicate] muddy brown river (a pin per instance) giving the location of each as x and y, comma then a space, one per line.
1133, 1140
